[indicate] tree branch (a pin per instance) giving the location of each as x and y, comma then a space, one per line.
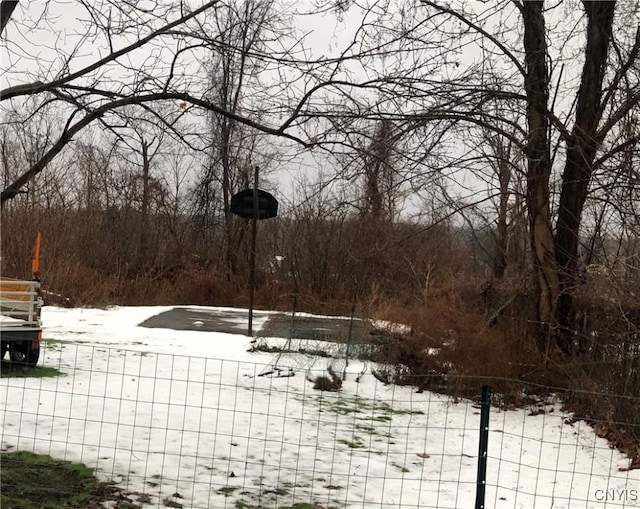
72, 130
480, 30
38, 86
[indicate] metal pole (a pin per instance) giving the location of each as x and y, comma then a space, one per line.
293, 316
346, 353
252, 261
483, 447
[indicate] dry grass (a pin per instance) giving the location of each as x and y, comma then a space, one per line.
453, 348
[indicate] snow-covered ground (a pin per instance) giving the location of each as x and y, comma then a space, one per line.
185, 417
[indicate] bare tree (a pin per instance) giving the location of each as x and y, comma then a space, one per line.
379, 175
554, 238
163, 84
139, 149
235, 149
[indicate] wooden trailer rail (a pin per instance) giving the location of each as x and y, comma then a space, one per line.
20, 300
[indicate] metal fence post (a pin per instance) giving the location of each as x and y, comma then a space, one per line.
485, 408
347, 350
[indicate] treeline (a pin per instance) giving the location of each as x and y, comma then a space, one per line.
117, 256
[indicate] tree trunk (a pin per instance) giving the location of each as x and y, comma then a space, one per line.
6, 10
144, 210
230, 234
502, 150
581, 152
538, 173
378, 173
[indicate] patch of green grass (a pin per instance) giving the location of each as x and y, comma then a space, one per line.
53, 344
367, 429
241, 504
402, 468
278, 492
268, 498
302, 505
376, 411
32, 481
12, 370
371, 430
167, 502
346, 406
227, 490
60, 343
35, 481
288, 484
385, 407
356, 443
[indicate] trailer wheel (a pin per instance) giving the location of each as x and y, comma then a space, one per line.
23, 353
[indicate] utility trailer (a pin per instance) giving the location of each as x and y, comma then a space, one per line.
20, 325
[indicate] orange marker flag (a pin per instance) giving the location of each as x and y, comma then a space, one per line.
35, 262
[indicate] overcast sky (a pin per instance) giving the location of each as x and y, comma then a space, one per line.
42, 35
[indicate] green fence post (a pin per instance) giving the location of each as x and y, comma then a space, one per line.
481, 484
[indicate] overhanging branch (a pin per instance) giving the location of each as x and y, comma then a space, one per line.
73, 129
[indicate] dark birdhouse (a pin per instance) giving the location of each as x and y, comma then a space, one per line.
242, 204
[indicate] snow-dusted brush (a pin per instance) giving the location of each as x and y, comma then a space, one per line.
331, 383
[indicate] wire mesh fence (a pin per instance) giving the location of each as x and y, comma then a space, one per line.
196, 432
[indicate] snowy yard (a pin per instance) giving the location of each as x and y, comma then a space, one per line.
184, 417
